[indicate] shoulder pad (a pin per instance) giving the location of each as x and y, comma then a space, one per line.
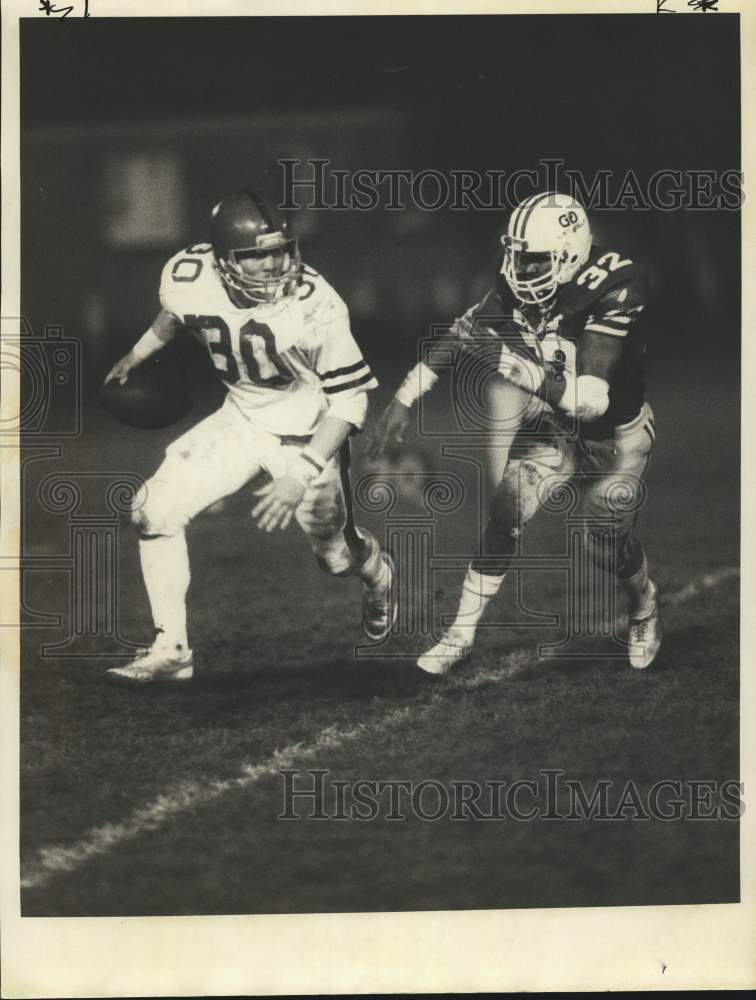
318, 297
311, 279
188, 273
604, 271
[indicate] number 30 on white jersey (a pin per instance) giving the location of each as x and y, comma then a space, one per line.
281, 361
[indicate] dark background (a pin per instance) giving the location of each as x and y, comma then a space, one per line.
225, 99
211, 104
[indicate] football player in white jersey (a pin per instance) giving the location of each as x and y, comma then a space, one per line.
280, 340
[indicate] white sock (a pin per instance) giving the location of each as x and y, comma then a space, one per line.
374, 574
165, 568
640, 592
477, 591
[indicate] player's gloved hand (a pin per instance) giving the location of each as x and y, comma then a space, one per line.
521, 371
121, 369
390, 429
278, 501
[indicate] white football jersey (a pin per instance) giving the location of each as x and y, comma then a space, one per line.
282, 362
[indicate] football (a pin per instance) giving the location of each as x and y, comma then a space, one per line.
151, 398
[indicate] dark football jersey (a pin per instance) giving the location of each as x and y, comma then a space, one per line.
601, 306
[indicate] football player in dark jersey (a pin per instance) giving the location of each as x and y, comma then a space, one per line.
561, 330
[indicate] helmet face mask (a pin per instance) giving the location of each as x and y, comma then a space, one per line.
267, 275
255, 254
547, 240
532, 275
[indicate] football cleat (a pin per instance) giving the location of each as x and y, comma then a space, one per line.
452, 649
379, 610
156, 665
645, 638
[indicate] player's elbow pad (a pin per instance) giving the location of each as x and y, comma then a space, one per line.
586, 397
353, 409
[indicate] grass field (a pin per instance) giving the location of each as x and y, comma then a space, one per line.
167, 801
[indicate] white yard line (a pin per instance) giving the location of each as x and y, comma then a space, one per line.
186, 796
706, 582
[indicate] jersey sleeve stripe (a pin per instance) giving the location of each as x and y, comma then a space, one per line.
624, 311
599, 328
346, 370
337, 380
354, 384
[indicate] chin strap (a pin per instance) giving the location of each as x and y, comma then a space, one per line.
286, 284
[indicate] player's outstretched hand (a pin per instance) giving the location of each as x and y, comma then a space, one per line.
120, 370
390, 429
279, 499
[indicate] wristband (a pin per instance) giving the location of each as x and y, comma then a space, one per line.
147, 344
418, 381
307, 465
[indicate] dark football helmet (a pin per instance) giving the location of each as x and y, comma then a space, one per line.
255, 252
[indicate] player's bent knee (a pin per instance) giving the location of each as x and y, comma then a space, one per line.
138, 505
155, 512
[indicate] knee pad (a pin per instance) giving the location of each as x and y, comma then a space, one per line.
154, 511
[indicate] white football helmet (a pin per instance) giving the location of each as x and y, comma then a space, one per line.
547, 240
